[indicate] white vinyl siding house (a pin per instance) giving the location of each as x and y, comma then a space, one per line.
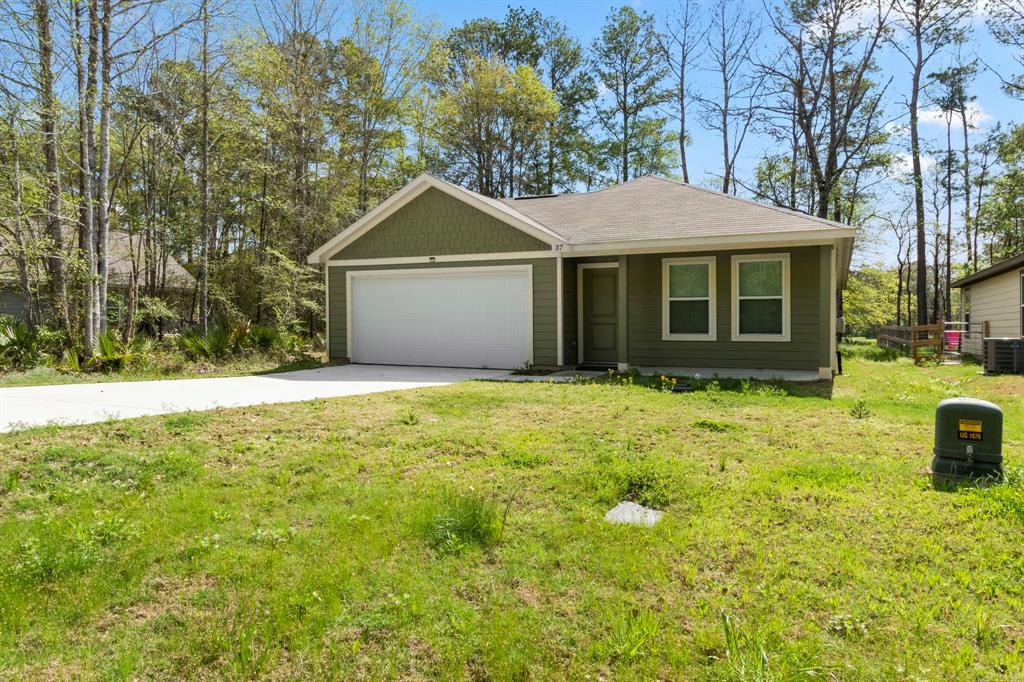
993, 304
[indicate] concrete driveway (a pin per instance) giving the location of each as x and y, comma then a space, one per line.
22, 407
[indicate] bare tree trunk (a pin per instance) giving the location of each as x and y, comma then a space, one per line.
20, 256
86, 150
103, 182
204, 170
625, 133
915, 152
947, 300
899, 290
48, 130
972, 257
682, 126
726, 171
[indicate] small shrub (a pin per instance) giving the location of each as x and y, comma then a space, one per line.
219, 340
461, 519
408, 418
634, 635
238, 336
264, 337
72, 361
194, 346
646, 482
19, 345
114, 355
860, 409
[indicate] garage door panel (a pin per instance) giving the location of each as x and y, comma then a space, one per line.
478, 319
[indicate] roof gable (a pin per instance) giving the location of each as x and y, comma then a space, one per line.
438, 224
422, 183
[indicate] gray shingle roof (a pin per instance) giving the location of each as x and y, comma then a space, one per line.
656, 208
123, 251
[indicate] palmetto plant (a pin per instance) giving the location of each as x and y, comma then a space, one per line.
114, 355
264, 337
19, 345
194, 345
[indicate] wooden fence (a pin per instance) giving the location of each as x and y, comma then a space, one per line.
921, 342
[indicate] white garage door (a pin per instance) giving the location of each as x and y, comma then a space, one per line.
455, 317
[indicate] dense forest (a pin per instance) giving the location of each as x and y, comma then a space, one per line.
144, 139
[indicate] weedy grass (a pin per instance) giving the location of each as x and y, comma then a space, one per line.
459, 519
343, 539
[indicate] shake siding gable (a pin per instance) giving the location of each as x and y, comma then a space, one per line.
437, 224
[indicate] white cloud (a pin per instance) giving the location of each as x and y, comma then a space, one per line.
904, 164
976, 116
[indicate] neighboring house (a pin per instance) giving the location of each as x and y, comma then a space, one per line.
649, 274
124, 254
991, 303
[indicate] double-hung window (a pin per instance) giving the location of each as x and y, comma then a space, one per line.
760, 297
688, 299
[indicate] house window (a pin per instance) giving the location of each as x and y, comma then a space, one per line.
1022, 304
688, 299
760, 297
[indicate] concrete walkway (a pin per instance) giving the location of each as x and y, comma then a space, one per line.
27, 406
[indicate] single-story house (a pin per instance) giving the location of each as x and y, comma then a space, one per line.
991, 301
650, 274
124, 254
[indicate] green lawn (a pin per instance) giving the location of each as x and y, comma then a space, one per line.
176, 368
362, 538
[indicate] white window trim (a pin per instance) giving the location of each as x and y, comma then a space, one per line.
712, 298
755, 258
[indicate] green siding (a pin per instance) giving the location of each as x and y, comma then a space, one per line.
825, 305
570, 303
808, 332
544, 304
436, 224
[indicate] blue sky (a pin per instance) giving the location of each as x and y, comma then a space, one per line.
585, 17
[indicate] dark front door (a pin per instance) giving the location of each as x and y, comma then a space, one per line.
600, 315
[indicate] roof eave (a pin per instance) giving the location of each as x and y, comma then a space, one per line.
1008, 265
733, 241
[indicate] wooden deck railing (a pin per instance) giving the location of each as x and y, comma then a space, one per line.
921, 342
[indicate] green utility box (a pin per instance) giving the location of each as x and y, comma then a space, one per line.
968, 440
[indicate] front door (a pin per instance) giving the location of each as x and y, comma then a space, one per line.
600, 315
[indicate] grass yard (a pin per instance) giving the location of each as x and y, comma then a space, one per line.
236, 367
363, 538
